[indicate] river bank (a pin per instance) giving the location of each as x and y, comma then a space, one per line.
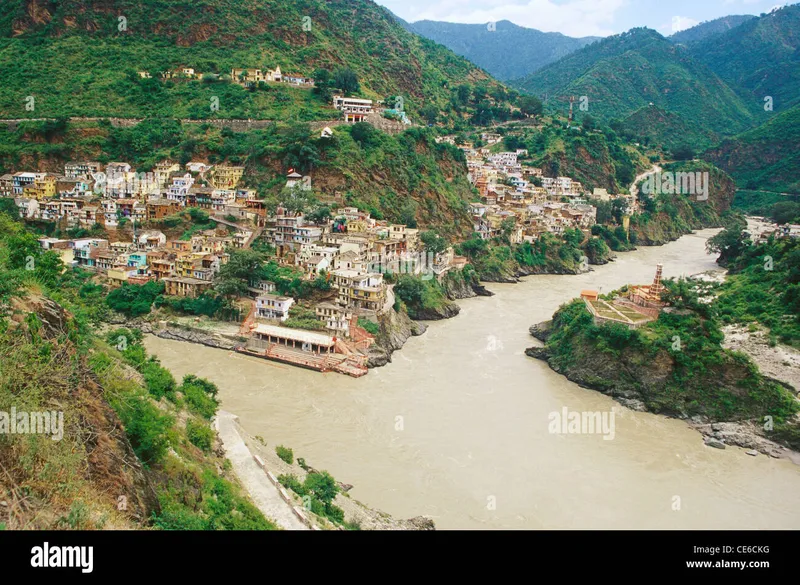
642, 375
490, 460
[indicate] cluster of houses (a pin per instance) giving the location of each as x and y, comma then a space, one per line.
90, 193
245, 77
351, 250
186, 267
519, 200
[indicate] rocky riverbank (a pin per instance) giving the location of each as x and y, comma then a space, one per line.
626, 377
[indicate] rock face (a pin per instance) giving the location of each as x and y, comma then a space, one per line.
395, 329
191, 335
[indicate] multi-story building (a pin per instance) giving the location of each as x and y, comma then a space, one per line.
273, 307
354, 109
177, 286
82, 170
226, 176
360, 290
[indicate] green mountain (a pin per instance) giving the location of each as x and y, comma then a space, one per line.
709, 29
760, 58
507, 51
77, 58
765, 158
621, 74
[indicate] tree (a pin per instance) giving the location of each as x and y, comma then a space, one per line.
785, 212
463, 93
234, 276
430, 113
319, 215
588, 123
530, 105
323, 486
9, 207
346, 80
684, 152
729, 244
433, 242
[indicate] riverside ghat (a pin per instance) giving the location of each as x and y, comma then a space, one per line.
306, 349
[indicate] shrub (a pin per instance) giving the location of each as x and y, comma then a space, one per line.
159, 380
290, 482
198, 398
322, 485
285, 454
200, 435
147, 428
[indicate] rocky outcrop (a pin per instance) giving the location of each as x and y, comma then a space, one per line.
541, 331
643, 380
395, 330
183, 333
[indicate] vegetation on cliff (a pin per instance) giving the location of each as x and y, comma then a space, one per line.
137, 449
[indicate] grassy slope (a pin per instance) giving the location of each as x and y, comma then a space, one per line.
75, 61
135, 453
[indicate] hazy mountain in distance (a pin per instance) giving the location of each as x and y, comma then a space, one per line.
507, 52
709, 29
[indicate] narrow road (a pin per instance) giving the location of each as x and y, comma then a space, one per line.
634, 190
262, 491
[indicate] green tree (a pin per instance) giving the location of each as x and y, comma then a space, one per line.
346, 80
530, 105
433, 242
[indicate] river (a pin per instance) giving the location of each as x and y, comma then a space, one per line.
457, 426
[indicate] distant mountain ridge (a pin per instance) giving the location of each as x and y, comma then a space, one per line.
709, 29
759, 58
623, 73
507, 51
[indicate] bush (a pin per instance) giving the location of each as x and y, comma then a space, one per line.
200, 435
159, 380
290, 482
285, 454
322, 485
200, 396
148, 430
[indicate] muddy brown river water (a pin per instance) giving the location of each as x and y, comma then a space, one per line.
458, 427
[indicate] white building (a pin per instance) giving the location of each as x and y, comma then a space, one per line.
273, 307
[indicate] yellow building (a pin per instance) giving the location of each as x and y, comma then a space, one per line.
226, 177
